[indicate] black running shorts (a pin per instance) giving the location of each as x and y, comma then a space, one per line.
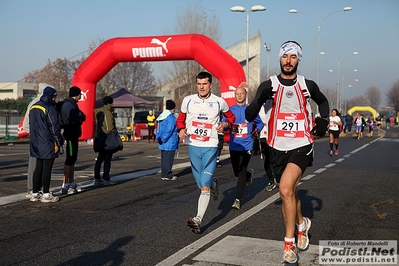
303, 157
335, 133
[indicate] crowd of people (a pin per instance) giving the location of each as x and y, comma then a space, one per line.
278, 119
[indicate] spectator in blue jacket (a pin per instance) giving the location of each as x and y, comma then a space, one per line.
241, 143
46, 142
168, 140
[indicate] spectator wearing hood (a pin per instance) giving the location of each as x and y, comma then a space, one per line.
72, 118
167, 140
46, 142
25, 126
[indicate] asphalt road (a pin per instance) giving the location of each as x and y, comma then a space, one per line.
142, 220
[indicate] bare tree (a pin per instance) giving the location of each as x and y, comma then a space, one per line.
193, 19
137, 77
360, 100
58, 74
393, 96
373, 94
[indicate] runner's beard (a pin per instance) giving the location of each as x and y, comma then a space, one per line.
289, 73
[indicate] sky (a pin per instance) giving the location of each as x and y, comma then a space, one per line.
33, 32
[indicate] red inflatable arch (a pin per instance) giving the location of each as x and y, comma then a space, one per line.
154, 48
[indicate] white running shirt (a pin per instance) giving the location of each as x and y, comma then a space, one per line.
333, 126
202, 117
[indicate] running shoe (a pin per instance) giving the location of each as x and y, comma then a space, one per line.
270, 186
48, 197
97, 181
35, 197
331, 153
303, 237
336, 153
29, 194
250, 173
65, 189
173, 178
290, 253
215, 188
236, 204
72, 190
218, 164
108, 182
194, 224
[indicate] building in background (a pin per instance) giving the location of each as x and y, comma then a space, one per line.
16, 90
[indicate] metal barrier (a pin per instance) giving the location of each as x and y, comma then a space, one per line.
9, 125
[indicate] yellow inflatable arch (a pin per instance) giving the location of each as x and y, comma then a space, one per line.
363, 108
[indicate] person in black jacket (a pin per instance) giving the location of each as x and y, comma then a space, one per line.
73, 119
46, 143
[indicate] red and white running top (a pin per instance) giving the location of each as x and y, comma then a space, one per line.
290, 118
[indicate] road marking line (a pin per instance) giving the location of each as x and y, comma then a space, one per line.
318, 171
307, 177
211, 236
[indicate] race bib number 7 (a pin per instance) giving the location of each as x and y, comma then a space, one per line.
291, 125
242, 131
201, 131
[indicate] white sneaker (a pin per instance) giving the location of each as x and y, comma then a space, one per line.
303, 237
48, 197
236, 204
290, 253
173, 178
35, 197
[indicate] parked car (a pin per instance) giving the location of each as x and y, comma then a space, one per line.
140, 123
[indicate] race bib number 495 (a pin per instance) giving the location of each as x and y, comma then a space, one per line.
291, 125
201, 131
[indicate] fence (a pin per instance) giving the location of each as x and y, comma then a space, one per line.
9, 125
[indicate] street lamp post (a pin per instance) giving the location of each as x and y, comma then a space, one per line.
242, 9
338, 81
268, 48
348, 8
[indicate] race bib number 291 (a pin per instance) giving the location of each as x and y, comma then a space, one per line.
291, 125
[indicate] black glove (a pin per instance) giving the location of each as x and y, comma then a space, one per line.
234, 128
320, 127
160, 141
255, 132
61, 150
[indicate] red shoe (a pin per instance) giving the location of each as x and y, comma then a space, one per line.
336, 153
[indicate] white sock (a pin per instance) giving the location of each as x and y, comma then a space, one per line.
301, 226
65, 185
203, 203
286, 239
